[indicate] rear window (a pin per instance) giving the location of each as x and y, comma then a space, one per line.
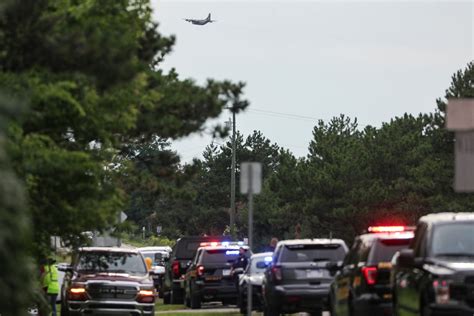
312, 253
114, 262
186, 249
383, 249
220, 256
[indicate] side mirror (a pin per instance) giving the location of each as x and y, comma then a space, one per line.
65, 268
406, 258
334, 266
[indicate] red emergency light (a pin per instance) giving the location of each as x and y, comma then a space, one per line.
388, 229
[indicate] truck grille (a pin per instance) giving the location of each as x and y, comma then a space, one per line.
105, 291
463, 293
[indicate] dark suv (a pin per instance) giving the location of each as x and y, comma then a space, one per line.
107, 281
180, 259
209, 276
362, 285
300, 275
435, 276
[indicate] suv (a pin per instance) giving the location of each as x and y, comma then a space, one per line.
107, 281
180, 259
300, 276
362, 286
209, 276
253, 274
435, 276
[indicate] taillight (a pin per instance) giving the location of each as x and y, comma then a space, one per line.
370, 275
441, 289
200, 270
77, 294
146, 296
175, 268
276, 272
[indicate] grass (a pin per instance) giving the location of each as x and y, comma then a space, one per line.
160, 307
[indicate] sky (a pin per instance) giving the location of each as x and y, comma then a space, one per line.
305, 60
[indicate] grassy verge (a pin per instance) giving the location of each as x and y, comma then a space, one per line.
160, 307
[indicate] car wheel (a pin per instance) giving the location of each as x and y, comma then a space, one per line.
241, 304
271, 311
64, 310
195, 301
318, 313
166, 298
176, 297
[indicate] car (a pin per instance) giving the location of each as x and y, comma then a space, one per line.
435, 275
107, 280
180, 258
253, 274
362, 285
159, 256
300, 275
209, 277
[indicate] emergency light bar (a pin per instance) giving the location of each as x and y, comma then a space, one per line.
223, 243
389, 229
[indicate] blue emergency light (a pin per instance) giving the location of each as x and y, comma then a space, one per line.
232, 252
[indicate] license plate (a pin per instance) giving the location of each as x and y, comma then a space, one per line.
314, 274
225, 272
213, 278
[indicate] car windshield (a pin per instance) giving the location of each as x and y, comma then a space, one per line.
220, 256
256, 270
115, 262
453, 240
312, 253
156, 257
384, 249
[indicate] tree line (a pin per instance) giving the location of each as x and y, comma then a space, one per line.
351, 178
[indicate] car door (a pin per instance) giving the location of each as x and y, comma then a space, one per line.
408, 280
343, 280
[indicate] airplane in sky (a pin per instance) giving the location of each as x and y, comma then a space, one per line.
201, 22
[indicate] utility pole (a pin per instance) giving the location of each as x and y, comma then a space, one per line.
232, 176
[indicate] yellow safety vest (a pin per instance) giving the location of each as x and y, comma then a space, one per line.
50, 279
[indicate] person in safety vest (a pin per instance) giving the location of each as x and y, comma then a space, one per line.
149, 263
49, 281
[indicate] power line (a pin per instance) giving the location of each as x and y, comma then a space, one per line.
295, 116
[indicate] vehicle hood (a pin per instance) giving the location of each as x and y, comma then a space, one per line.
450, 267
111, 277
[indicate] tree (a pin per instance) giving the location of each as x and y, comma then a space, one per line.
90, 73
14, 227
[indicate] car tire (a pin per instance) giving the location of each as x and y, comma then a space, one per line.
271, 311
195, 301
318, 313
64, 311
176, 297
166, 298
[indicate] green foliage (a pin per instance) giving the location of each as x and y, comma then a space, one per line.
90, 73
15, 265
352, 178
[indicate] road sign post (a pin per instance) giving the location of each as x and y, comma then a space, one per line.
460, 119
250, 183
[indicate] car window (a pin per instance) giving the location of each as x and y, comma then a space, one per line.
453, 240
312, 252
383, 250
219, 256
111, 262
